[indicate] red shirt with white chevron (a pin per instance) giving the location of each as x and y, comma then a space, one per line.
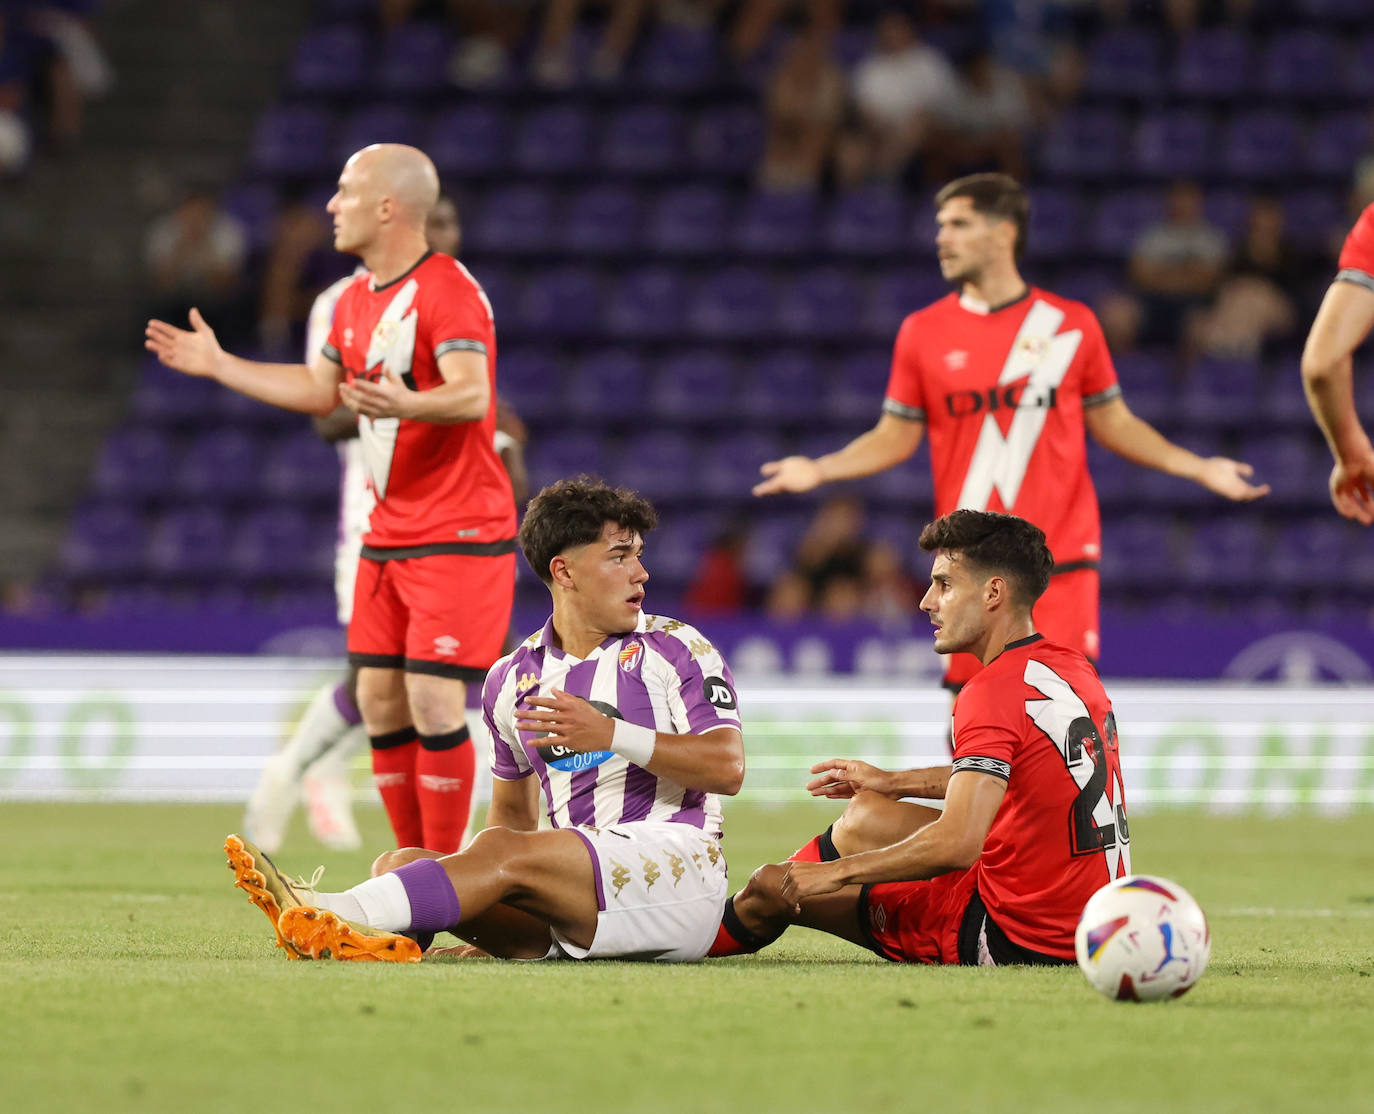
1002, 393
434, 484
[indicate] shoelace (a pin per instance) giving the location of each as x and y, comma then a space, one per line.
312, 883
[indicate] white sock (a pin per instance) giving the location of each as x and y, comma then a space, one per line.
319, 729
337, 758
380, 902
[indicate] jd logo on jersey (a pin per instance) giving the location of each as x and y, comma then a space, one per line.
718, 693
568, 760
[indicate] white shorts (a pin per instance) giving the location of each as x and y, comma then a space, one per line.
660, 887
355, 507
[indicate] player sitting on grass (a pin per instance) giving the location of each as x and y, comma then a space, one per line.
627, 722
1034, 820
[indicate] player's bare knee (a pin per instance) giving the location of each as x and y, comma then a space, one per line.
389, 860
870, 821
437, 705
762, 897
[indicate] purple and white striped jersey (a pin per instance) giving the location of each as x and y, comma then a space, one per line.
664, 674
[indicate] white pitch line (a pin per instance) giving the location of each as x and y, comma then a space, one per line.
1270, 911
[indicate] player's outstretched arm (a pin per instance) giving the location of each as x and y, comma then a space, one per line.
841, 778
712, 762
889, 442
313, 389
1114, 427
1342, 325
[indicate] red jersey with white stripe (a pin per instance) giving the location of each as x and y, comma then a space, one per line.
1002, 393
1357, 254
435, 485
1038, 716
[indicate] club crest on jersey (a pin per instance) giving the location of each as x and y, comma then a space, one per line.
348, 337
384, 334
1035, 348
956, 360
631, 654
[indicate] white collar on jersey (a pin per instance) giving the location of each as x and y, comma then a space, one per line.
974, 305
546, 642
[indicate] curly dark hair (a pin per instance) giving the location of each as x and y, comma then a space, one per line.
573, 512
996, 543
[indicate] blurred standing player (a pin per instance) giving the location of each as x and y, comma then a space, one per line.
1341, 326
1006, 376
625, 724
1034, 820
412, 351
315, 761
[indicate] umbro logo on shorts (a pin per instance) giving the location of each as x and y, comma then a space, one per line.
437, 784
446, 645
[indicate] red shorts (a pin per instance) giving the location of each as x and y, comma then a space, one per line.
444, 614
1066, 613
917, 922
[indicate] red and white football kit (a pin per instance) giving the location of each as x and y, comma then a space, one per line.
1002, 393
1037, 716
1357, 253
437, 575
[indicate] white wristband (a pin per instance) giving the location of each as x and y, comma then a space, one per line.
631, 741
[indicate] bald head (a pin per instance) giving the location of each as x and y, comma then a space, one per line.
385, 192
402, 174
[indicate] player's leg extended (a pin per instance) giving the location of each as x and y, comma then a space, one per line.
870, 820
547, 875
328, 785
446, 764
759, 914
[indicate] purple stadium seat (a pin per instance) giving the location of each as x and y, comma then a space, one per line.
1113, 477
1214, 64
820, 303
730, 464
602, 220
414, 59
533, 380
514, 220
1301, 63
694, 385
868, 222
1121, 218
293, 141
895, 294
135, 464
688, 220
1146, 384
677, 60
298, 467
189, 544
1284, 402
781, 385
771, 543
647, 304
1139, 553
643, 140
562, 302
738, 303
1221, 393
1221, 556
1174, 143
166, 397
345, 11
854, 391
277, 544
674, 550
1229, 210
1337, 141
1058, 224
1292, 465
1124, 62
662, 464
383, 123
1359, 68
556, 140
727, 140
607, 384
560, 455
254, 206
1086, 143
468, 140
1312, 217
1264, 144
501, 289
103, 542
776, 225
219, 467
331, 61
1333, 11
1306, 547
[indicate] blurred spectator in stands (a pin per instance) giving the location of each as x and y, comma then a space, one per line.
1177, 264
754, 20
75, 69
1121, 316
899, 91
985, 123
488, 32
554, 64
890, 594
719, 586
195, 257
299, 264
1254, 304
827, 570
805, 103
18, 61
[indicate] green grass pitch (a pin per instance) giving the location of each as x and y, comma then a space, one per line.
133, 977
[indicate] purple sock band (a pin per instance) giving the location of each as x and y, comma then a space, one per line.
345, 707
433, 904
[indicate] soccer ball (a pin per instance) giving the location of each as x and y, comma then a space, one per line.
1142, 938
